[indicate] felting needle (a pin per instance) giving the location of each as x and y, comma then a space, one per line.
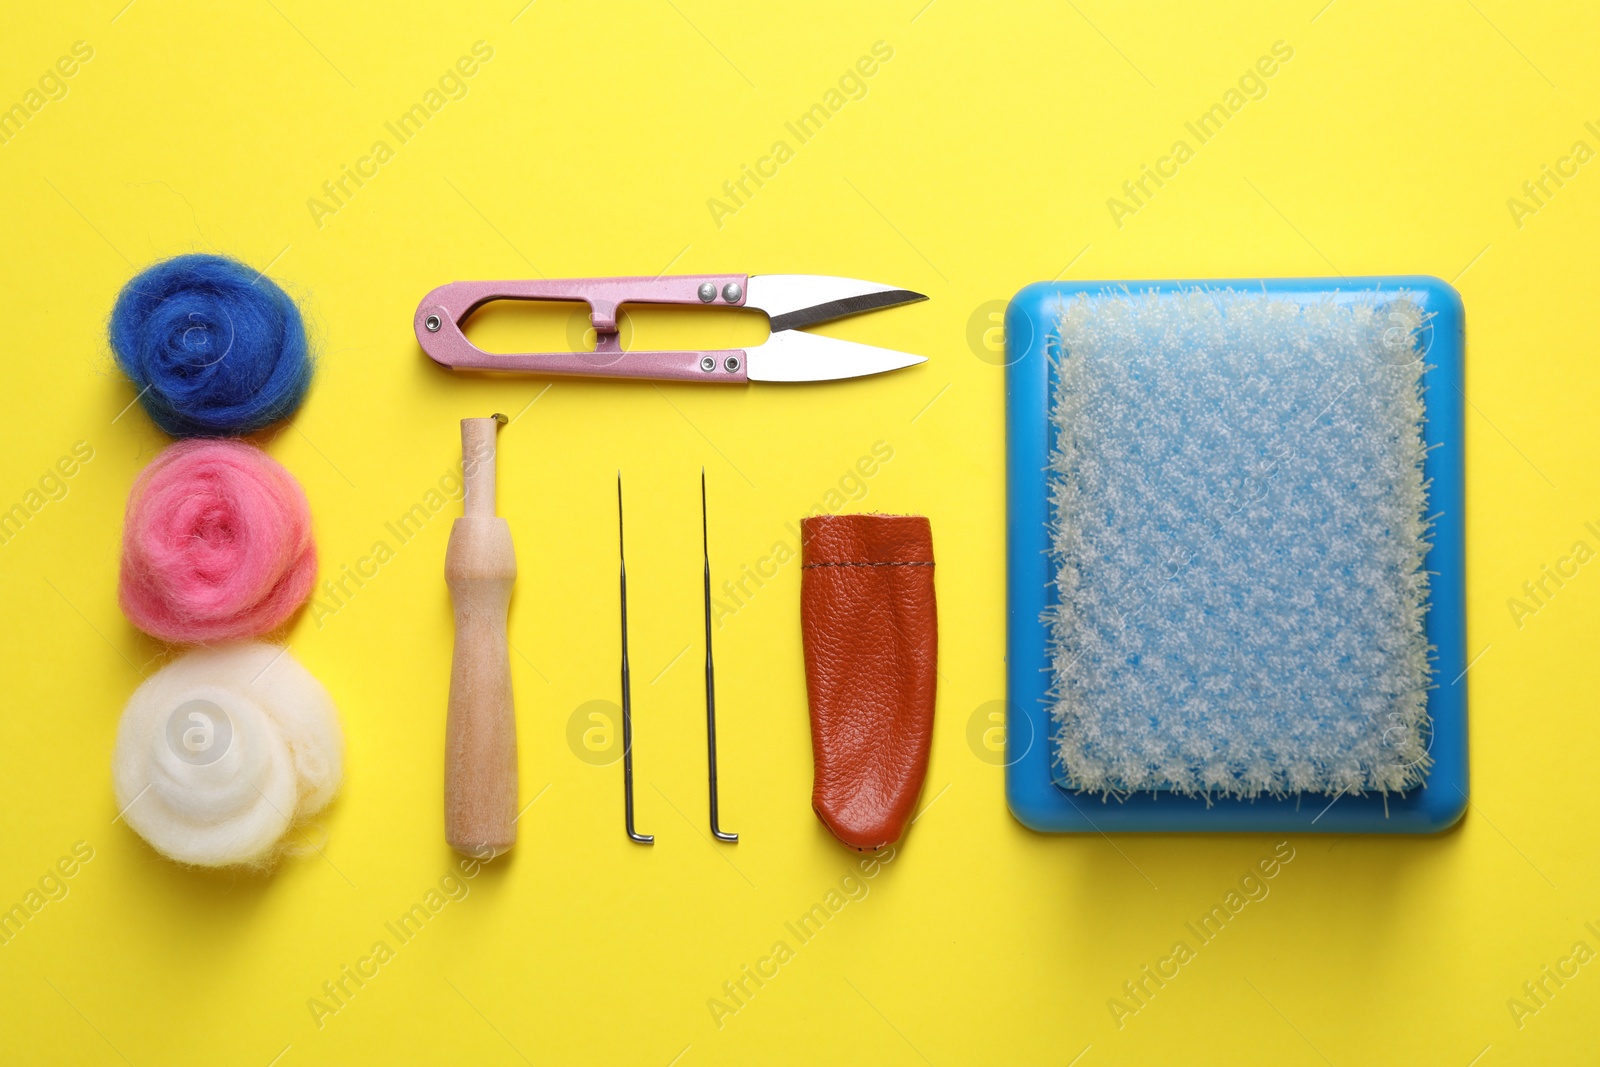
627, 698
711, 681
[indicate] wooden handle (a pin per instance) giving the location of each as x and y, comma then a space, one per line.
480, 566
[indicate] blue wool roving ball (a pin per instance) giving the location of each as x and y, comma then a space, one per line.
215, 348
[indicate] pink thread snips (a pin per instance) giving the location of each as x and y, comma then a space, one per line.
791, 301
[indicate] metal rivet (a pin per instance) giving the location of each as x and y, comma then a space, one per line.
432, 323
708, 364
732, 363
732, 292
708, 292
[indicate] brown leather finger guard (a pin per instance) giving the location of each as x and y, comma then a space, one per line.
871, 632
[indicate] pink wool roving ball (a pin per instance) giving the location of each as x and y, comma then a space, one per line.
217, 544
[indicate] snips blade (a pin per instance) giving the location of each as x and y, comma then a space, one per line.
794, 356
795, 301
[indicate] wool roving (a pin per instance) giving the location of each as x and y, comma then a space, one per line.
216, 545
214, 348
222, 750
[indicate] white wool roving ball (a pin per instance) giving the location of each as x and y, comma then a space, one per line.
219, 752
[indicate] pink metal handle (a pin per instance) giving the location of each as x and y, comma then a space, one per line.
439, 317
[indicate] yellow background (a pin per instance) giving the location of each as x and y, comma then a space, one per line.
980, 158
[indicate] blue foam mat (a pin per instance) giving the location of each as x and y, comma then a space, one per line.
1031, 792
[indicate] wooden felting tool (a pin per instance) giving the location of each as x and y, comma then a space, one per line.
480, 566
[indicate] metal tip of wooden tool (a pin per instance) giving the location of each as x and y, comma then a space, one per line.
627, 694
711, 680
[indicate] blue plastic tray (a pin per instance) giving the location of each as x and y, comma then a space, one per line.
1033, 795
